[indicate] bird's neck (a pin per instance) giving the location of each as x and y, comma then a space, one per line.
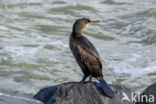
76, 31
76, 34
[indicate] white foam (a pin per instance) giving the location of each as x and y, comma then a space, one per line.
59, 43
17, 51
18, 97
124, 67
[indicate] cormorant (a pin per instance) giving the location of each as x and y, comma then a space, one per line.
86, 55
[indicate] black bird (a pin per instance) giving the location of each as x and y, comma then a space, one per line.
86, 55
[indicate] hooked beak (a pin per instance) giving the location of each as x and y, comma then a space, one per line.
92, 22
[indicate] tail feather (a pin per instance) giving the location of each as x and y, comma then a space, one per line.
106, 88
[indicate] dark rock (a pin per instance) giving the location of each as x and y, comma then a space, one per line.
79, 93
7, 97
148, 96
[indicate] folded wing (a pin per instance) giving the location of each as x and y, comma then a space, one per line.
91, 60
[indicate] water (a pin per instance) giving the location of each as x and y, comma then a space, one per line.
34, 36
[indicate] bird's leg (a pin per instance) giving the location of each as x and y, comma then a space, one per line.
83, 79
90, 78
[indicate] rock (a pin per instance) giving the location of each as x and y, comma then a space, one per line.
148, 96
79, 93
7, 97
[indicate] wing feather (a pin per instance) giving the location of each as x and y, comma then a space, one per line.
92, 62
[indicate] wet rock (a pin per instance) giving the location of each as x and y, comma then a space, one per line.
7, 97
79, 93
148, 96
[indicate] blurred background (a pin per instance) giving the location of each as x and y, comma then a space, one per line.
34, 35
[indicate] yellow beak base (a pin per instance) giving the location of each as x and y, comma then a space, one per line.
92, 22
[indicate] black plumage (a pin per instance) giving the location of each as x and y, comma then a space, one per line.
86, 55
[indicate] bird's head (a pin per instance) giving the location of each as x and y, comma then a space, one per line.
80, 24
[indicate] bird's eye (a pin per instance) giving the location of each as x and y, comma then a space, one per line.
88, 20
